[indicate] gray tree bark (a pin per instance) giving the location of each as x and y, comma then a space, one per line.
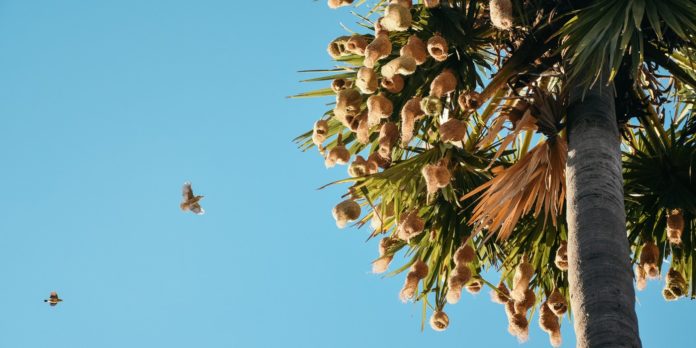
600, 275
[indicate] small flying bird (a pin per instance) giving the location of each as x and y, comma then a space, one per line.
190, 201
53, 299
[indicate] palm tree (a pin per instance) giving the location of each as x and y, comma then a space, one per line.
485, 117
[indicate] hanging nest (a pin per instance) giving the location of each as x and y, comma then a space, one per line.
385, 255
339, 3
469, 101
436, 176
675, 226
453, 130
675, 285
550, 323
359, 167
557, 303
403, 65
501, 14
410, 226
408, 291
337, 47
405, 3
378, 107
348, 103
518, 325
363, 130
357, 45
382, 264
345, 212
416, 49
520, 281
641, 277
341, 84
650, 260
431, 106
439, 321
443, 84
320, 131
474, 286
378, 49
464, 255
338, 155
410, 112
393, 84
388, 136
375, 159
396, 17
431, 3
366, 80
378, 220
418, 271
455, 283
561, 259
502, 295
437, 48
527, 301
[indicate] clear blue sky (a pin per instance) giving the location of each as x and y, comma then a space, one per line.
107, 107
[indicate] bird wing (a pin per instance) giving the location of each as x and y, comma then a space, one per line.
53, 304
54, 295
187, 191
196, 209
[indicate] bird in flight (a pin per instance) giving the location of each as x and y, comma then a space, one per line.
53, 299
190, 201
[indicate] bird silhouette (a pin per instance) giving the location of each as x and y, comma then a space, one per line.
190, 201
53, 299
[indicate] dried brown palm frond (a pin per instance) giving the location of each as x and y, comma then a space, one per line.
535, 183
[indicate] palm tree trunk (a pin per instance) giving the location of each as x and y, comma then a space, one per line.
600, 275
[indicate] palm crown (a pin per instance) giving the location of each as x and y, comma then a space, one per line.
463, 105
